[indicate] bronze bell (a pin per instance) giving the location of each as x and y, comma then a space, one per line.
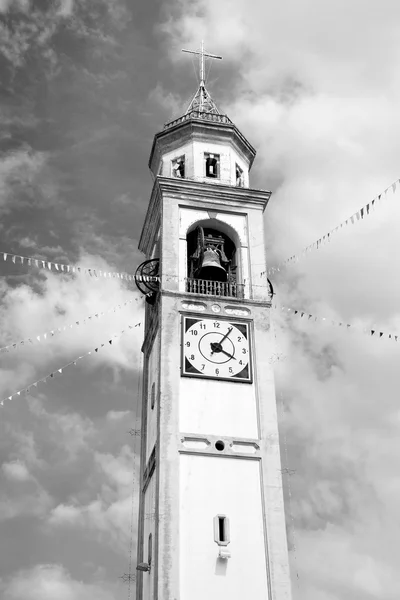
211, 268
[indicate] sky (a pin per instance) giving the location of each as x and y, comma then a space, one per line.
85, 85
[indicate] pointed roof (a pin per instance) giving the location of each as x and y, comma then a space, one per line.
202, 102
202, 106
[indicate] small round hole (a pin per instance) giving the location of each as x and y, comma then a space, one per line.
219, 445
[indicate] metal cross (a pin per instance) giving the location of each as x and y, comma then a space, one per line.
202, 56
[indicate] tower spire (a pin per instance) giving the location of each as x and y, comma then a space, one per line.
202, 100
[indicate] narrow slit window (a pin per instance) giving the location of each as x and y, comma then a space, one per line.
153, 395
150, 550
221, 530
178, 167
221, 526
212, 165
239, 176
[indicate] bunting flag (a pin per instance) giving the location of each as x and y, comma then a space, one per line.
66, 268
347, 326
357, 216
49, 334
53, 374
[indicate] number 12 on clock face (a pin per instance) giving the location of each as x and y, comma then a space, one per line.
216, 348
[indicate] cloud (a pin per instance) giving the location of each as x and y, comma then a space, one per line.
108, 515
16, 471
66, 8
59, 300
47, 582
117, 415
19, 171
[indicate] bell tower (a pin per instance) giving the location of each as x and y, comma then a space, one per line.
211, 513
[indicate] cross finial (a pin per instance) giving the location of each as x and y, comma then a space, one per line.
202, 55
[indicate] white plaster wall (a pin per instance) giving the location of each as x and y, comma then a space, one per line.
228, 157
149, 527
230, 486
168, 157
153, 372
221, 408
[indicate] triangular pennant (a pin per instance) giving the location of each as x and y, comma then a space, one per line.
372, 331
5, 255
60, 370
394, 187
56, 266
13, 259
36, 262
367, 207
96, 349
49, 265
362, 213
380, 334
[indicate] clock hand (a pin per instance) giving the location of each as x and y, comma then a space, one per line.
230, 355
216, 346
226, 335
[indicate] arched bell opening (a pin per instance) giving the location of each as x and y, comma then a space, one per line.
212, 259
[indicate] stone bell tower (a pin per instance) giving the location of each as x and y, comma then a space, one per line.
211, 514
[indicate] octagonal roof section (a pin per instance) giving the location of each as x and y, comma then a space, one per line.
204, 123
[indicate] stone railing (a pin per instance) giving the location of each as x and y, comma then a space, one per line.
215, 288
201, 116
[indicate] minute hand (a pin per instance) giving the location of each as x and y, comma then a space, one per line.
226, 335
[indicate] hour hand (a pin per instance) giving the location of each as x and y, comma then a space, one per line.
227, 354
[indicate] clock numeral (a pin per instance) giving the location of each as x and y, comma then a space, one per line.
216, 325
239, 338
230, 370
192, 357
240, 362
193, 332
203, 326
217, 371
187, 344
202, 367
244, 351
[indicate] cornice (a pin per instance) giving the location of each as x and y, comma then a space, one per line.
197, 127
195, 191
152, 220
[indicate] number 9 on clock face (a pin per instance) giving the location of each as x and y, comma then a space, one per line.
216, 348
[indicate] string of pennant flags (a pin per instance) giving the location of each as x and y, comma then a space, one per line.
66, 268
60, 371
58, 330
346, 326
359, 215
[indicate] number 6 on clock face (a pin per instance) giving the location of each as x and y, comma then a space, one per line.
216, 348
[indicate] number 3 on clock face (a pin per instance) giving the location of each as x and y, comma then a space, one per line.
217, 349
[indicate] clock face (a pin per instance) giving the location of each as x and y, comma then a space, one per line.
216, 348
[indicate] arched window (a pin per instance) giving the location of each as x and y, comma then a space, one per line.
212, 262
